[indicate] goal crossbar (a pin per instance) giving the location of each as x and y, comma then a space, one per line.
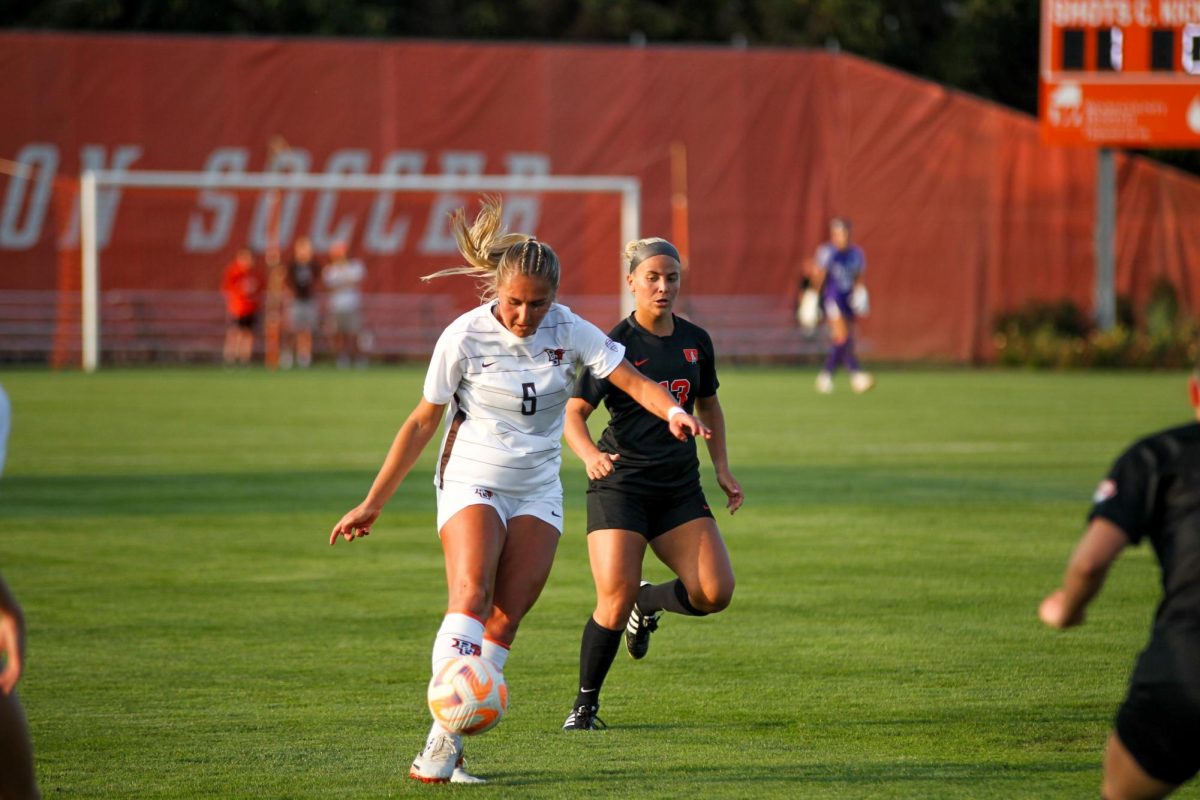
92, 181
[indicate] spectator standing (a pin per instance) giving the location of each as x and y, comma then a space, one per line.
343, 278
302, 275
242, 286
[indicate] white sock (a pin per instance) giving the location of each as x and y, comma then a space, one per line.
437, 730
460, 635
495, 652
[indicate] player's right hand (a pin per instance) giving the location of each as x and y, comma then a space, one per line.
356, 523
602, 465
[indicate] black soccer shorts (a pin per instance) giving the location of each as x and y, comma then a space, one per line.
1159, 724
651, 514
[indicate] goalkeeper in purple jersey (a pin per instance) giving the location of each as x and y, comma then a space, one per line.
838, 269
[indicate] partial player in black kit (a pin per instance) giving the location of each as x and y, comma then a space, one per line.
1152, 492
17, 780
645, 489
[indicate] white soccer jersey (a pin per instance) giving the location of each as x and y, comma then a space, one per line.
344, 280
507, 394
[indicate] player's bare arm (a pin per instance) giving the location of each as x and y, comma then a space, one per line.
411, 439
597, 463
709, 411
12, 639
1085, 574
657, 400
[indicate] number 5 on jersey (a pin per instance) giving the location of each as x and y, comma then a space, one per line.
529, 403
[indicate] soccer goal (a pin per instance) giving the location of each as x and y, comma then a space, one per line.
153, 245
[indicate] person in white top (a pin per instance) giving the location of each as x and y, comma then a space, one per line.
506, 369
343, 278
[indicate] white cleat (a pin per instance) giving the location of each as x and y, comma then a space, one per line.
824, 382
862, 382
438, 760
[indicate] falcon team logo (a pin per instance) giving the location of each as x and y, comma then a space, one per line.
691, 355
467, 648
1105, 491
555, 356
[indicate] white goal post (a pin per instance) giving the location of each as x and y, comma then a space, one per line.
92, 181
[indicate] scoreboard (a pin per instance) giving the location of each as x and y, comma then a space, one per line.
1120, 73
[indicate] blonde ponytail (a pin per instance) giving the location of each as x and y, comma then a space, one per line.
492, 255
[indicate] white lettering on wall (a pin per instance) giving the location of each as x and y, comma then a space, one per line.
108, 199
210, 224
40, 160
438, 240
381, 237
342, 162
521, 211
275, 213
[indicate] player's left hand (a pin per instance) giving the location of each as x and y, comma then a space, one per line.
732, 490
684, 425
10, 647
1053, 611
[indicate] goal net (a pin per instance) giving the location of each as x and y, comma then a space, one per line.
153, 247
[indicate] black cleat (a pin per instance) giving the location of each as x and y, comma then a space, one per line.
583, 718
638, 630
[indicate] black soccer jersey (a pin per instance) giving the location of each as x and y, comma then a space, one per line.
1153, 491
651, 458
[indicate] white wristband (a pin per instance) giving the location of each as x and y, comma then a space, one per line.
673, 411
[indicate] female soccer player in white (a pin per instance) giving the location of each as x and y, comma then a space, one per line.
645, 486
506, 370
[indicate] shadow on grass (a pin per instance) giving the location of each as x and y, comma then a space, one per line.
863, 773
277, 491
159, 495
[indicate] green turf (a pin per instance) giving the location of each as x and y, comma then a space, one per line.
192, 634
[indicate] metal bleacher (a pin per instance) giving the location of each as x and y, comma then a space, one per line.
746, 328
159, 326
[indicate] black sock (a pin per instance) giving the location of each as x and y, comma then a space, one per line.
596, 653
670, 596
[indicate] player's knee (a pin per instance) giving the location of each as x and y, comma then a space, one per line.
612, 608
715, 598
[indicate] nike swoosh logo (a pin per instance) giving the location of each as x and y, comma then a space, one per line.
486, 364
639, 363
554, 514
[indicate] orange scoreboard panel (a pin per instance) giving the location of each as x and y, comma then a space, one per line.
1123, 73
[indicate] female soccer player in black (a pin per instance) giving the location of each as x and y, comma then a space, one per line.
644, 488
1152, 492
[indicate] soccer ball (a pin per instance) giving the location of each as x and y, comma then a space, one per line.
468, 695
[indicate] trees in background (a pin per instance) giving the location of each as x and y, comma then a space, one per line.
986, 47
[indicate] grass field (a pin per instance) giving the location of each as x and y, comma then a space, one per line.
192, 634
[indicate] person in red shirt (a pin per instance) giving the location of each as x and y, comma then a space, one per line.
242, 286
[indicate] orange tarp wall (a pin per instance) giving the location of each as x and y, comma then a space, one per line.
962, 211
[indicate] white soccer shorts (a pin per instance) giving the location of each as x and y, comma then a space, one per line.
454, 497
